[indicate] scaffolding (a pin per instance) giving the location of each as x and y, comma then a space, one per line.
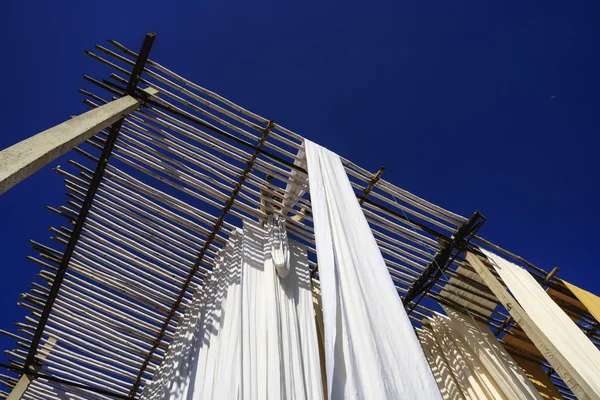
154, 193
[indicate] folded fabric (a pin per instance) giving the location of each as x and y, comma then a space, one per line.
280, 247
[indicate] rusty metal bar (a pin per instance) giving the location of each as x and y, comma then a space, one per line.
97, 178
208, 242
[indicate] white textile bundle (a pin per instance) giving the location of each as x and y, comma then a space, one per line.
250, 335
280, 246
371, 350
469, 362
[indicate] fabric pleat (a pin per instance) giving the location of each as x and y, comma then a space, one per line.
468, 361
248, 333
538, 378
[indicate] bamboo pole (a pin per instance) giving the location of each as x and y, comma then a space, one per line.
365, 174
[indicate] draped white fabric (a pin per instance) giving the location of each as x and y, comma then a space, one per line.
441, 368
371, 350
203, 345
249, 334
280, 247
555, 324
468, 361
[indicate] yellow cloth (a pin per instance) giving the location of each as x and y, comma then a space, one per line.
539, 378
589, 300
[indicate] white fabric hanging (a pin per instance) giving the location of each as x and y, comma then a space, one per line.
172, 379
500, 370
282, 347
222, 379
371, 350
440, 367
254, 339
466, 377
204, 359
299, 361
555, 324
249, 334
279, 244
469, 362
181, 375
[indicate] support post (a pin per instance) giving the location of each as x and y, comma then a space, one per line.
551, 275
115, 128
21, 387
566, 371
370, 186
19, 161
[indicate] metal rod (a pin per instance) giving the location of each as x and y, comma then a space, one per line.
97, 178
440, 262
209, 240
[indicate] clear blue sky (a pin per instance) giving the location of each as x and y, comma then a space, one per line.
472, 105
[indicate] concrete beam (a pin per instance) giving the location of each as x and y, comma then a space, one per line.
566, 371
26, 157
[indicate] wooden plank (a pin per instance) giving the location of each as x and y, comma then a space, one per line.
19, 161
566, 371
19, 390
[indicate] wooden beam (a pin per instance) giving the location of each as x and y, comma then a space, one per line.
21, 387
442, 260
19, 161
369, 187
566, 371
551, 275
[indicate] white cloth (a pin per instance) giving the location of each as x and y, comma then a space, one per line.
222, 379
440, 367
205, 345
555, 324
298, 343
469, 362
280, 246
371, 350
254, 339
249, 334
172, 379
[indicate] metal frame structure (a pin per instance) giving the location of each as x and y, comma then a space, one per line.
152, 200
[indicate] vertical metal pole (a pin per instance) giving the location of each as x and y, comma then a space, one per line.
87, 203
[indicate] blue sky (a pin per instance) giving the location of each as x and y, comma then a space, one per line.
472, 105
